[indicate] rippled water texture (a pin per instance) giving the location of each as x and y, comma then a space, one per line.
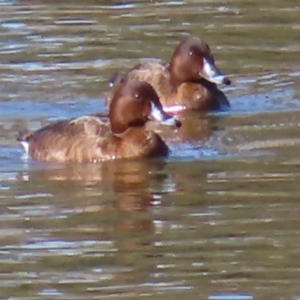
216, 220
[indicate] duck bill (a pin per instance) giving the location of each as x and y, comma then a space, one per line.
211, 73
159, 115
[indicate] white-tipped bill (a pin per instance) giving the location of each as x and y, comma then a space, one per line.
211, 73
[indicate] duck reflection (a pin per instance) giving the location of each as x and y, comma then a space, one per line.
110, 202
131, 185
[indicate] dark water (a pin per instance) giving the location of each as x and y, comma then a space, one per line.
218, 219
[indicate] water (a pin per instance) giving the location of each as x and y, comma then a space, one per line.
218, 219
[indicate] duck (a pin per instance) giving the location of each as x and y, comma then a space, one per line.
188, 82
89, 139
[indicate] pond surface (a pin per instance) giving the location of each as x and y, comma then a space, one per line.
218, 219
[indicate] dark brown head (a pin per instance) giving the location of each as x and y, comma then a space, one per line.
134, 103
192, 60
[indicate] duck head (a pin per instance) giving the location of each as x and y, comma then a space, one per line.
134, 103
192, 60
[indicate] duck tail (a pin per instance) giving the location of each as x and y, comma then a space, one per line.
22, 136
116, 78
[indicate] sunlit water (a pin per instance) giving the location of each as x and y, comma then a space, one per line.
218, 219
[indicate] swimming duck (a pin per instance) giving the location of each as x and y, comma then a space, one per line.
189, 81
90, 139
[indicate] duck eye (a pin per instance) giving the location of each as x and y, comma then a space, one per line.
191, 53
137, 96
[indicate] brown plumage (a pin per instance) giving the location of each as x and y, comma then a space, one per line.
90, 139
189, 80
